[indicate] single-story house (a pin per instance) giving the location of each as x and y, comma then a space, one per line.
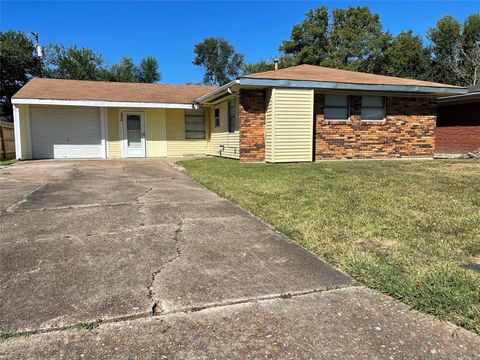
302, 113
458, 123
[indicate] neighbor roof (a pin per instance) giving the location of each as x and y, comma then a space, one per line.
324, 74
60, 89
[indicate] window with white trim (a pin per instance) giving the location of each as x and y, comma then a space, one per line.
373, 108
217, 117
336, 107
195, 124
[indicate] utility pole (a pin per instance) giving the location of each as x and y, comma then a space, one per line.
39, 52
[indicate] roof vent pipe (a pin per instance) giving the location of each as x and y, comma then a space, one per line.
275, 62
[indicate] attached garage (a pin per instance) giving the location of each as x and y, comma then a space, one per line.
60, 132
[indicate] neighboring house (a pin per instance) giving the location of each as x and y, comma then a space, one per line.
302, 113
458, 123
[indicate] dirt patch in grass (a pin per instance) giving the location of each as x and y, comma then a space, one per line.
402, 227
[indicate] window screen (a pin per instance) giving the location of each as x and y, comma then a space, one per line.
217, 117
336, 107
373, 108
232, 114
195, 124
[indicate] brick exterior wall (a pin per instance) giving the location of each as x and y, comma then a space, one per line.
458, 128
408, 131
251, 118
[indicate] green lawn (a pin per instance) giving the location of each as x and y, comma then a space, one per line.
7, 162
402, 227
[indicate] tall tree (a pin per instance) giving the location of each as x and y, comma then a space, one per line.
124, 71
456, 50
256, 67
357, 41
309, 41
148, 70
219, 59
467, 64
267, 65
17, 65
73, 63
407, 57
444, 38
352, 39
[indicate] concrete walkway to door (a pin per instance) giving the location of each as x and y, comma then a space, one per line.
102, 259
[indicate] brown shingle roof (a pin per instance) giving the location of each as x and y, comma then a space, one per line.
60, 89
324, 74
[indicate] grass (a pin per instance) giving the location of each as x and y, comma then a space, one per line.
401, 227
7, 162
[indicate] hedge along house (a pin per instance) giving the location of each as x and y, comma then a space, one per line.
303, 113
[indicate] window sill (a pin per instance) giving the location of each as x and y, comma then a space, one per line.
337, 121
373, 122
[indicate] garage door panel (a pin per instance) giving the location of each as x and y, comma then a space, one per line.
66, 132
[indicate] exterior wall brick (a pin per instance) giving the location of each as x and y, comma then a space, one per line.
408, 130
252, 125
458, 128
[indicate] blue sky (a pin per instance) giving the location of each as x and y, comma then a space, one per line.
169, 30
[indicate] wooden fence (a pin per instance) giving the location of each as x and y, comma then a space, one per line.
7, 141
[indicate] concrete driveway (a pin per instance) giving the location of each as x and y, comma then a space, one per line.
132, 258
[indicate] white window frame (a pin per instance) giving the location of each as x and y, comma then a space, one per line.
374, 107
337, 107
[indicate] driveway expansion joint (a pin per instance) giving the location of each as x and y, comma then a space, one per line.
194, 309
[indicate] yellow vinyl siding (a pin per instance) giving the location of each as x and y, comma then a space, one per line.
223, 143
292, 126
177, 145
268, 125
155, 132
113, 144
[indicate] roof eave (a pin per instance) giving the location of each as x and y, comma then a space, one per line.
217, 93
471, 96
351, 86
101, 103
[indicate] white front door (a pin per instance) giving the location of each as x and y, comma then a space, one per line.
133, 134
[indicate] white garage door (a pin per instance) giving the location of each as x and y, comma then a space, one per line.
65, 132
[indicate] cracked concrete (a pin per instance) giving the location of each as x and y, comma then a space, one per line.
102, 243
354, 323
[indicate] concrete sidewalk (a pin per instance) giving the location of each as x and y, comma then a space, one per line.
132, 258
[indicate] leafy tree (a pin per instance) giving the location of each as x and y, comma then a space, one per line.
309, 41
456, 50
467, 65
124, 71
445, 37
73, 63
256, 67
219, 59
17, 65
352, 40
148, 70
267, 65
357, 41
407, 57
